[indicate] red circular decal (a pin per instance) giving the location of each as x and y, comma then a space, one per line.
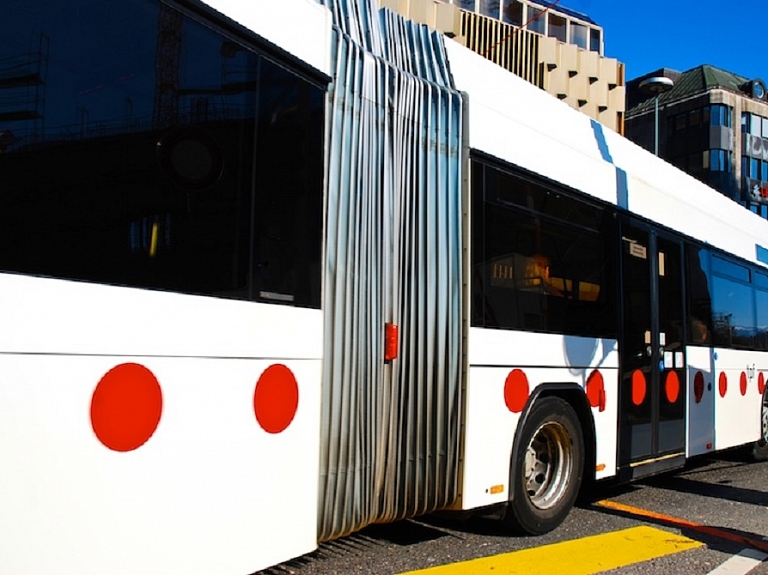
698, 386
126, 407
743, 383
516, 391
638, 387
596, 390
276, 398
722, 384
761, 383
672, 387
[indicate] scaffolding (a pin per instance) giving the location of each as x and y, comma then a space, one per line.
22, 94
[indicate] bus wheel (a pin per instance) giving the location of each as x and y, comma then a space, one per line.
760, 449
546, 474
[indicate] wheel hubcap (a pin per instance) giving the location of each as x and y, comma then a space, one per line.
549, 463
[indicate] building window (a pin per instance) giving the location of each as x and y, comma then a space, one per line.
558, 27
717, 160
579, 34
754, 125
752, 168
595, 40
468, 5
489, 8
513, 12
720, 115
537, 20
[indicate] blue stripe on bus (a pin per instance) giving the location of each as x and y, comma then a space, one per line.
622, 187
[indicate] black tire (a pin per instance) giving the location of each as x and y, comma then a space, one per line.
547, 470
760, 448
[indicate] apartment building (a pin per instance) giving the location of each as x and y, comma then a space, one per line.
555, 48
712, 123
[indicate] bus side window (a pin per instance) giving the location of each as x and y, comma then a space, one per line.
699, 296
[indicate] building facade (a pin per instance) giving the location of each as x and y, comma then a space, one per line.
557, 49
712, 124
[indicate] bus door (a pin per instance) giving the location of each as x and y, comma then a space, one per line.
652, 351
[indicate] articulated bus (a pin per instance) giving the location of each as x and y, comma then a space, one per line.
272, 271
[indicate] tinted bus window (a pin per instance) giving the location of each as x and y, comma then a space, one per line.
730, 269
699, 295
733, 313
542, 260
761, 328
145, 149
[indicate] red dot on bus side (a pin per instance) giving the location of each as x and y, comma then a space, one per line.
516, 391
126, 407
698, 387
672, 386
639, 386
722, 384
276, 398
743, 383
596, 390
761, 383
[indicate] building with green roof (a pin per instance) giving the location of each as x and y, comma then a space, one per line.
712, 124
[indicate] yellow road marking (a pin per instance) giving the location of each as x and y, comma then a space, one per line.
577, 557
684, 523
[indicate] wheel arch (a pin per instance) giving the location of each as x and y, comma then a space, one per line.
575, 396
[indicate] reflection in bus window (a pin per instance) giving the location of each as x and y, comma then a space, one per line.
733, 315
542, 260
149, 150
699, 298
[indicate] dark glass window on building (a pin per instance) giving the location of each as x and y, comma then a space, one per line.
537, 20
595, 40
754, 125
579, 35
465, 4
557, 27
165, 155
489, 8
751, 168
541, 259
720, 115
513, 12
717, 160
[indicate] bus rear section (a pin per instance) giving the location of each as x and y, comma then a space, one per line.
161, 340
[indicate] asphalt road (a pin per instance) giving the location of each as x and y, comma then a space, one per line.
720, 502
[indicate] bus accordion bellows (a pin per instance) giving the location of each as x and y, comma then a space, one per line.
274, 271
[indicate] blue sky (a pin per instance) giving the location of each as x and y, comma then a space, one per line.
681, 34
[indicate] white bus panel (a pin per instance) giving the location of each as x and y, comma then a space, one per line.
505, 367
214, 469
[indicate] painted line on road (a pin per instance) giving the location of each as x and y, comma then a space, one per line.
740, 564
584, 556
683, 523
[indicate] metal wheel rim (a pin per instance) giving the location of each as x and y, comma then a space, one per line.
764, 416
548, 465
